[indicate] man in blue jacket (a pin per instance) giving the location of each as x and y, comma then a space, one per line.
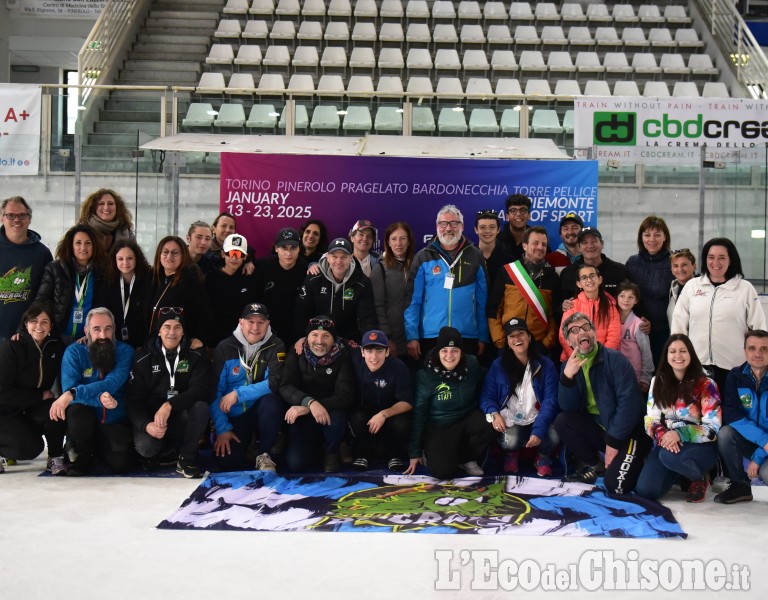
248, 366
447, 287
603, 410
745, 421
94, 377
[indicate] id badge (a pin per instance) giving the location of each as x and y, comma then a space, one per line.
77, 316
124, 333
171, 394
448, 283
518, 417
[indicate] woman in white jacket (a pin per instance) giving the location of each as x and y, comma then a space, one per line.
717, 308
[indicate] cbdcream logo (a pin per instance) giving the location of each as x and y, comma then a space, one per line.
615, 128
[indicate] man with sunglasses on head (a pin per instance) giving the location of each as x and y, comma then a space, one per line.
22, 260
448, 286
248, 367
601, 422
167, 398
94, 376
319, 385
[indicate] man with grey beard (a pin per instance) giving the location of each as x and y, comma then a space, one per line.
94, 377
448, 276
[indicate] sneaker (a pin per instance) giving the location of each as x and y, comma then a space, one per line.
188, 470
720, 484
543, 466
396, 465
360, 464
70, 452
331, 464
79, 468
588, 474
737, 492
56, 465
472, 468
697, 490
167, 459
264, 462
511, 462
3, 464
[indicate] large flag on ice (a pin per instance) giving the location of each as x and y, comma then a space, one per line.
264, 501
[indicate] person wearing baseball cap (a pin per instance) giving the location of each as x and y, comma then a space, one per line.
519, 399
363, 236
340, 290
229, 288
448, 427
167, 398
568, 251
591, 245
381, 416
248, 367
278, 279
318, 384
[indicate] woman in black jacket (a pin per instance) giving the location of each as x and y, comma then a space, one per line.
72, 281
29, 367
177, 285
126, 284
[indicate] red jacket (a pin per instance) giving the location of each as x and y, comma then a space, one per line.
608, 332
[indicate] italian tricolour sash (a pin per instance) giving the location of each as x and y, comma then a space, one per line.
528, 289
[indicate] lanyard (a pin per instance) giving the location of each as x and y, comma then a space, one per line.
455, 260
81, 289
126, 301
171, 372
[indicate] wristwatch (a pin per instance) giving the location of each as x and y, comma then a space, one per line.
73, 392
490, 416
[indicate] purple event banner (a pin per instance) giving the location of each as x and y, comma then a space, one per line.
266, 192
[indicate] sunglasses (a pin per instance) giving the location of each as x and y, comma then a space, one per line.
681, 251
321, 323
170, 310
235, 254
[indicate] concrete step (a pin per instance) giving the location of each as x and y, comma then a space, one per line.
134, 104
170, 48
98, 144
170, 38
158, 77
183, 15
142, 116
162, 65
206, 24
116, 165
152, 129
177, 30
198, 57
181, 6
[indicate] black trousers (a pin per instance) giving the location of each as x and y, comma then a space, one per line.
21, 434
584, 437
391, 438
184, 432
91, 438
447, 446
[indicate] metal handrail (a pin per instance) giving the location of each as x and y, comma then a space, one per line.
732, 35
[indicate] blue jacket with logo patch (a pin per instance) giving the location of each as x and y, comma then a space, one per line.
745, 408
232, 376
385, 387
433, 306
89, 384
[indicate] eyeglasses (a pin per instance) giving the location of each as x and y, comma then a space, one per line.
575, 330
321, 323
170, 310
17, 216
235, 254
590, 277
517, 211
446, 224
681, 251
173, 253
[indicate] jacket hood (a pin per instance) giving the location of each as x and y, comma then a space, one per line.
251, 349
32, 238
325, 269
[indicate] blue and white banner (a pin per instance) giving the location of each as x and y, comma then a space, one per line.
20, 107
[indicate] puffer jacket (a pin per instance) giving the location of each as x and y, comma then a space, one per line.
58, 289
389, 295
608, 332
745, 408
653, 275
332, 385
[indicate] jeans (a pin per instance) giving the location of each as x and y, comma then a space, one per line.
733, 447
309, 442
447, 446
663, 468
515, 438
392, 437
91, 437
184, 432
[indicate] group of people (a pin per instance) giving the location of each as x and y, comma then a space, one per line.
429, 357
